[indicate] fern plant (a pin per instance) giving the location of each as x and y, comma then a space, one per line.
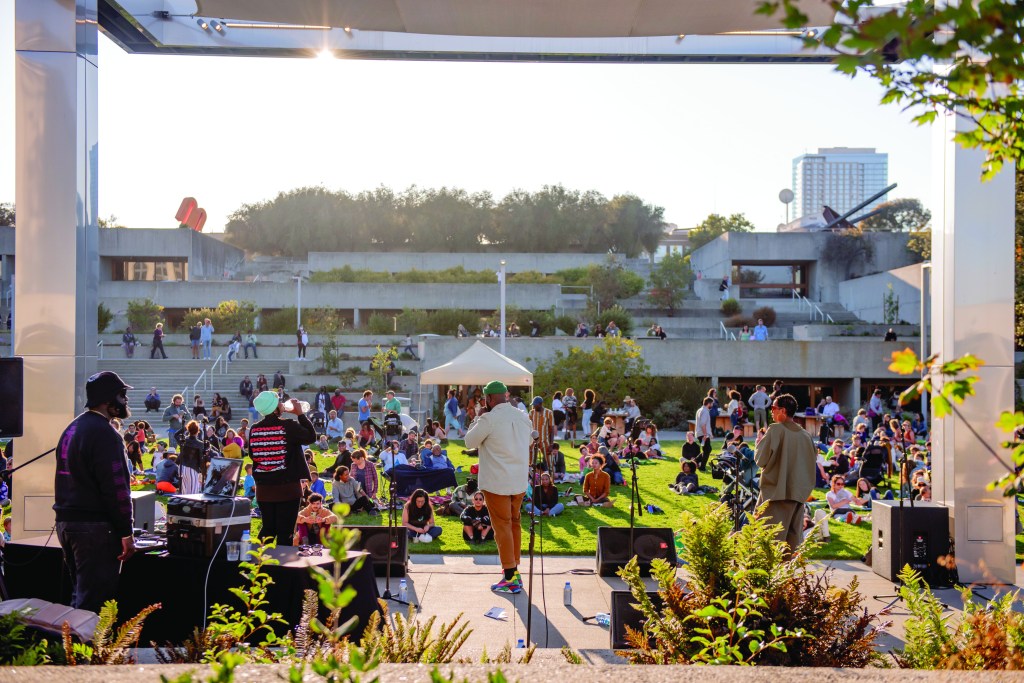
108, 646
18, 645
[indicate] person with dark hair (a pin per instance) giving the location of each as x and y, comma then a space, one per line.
545, 498
787, 458
686, 481
597, 484
703, 432
275, 447
476, 521
589, 400
313, 521
418, 518
92, 494
348, 490
191, 461
461, 498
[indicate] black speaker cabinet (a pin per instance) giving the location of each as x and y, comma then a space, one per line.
917, 536
624, 614
374, 540
12, 397
614, 551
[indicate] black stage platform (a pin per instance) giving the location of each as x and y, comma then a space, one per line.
35, 569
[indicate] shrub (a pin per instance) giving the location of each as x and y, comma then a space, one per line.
144, 314
532, 277
747, 597
617, 313
731, 307
278, 322
613, 369
671, 401
766, 313
446, 321
413, 321
315, 320
737, 321
380, 324
104, 316
229, 316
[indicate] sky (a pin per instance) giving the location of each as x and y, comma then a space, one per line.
693, 139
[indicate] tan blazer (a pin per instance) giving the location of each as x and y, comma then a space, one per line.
787, 459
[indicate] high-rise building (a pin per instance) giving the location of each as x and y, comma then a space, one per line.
840, 177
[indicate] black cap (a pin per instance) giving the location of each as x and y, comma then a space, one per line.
103, 387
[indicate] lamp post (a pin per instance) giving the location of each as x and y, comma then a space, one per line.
501, 282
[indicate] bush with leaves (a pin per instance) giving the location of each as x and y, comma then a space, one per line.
671, 401
738, 320
144, 314
623, 320
765, 313
380, 324
613, 369
747, 603
227, 318
19, 645
731, 306
104, 316
445, 322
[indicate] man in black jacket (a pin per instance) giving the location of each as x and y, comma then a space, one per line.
92, 492
275, 446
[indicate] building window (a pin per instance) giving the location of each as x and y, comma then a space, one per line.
149, 271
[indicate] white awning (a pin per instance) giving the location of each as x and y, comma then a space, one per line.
479, 364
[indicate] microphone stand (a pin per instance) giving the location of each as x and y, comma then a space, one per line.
533, 526
392, 542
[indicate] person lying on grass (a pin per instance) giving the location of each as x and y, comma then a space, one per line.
597, 484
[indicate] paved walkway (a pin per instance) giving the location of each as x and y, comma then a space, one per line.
446, 585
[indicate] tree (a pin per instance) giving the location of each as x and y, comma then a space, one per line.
899, 215
104, 316
964, 58
111, 222
670, 280
6, 214
612, 369
715, 225
144, 314
920, 243
612, 283
634, 225
380, 365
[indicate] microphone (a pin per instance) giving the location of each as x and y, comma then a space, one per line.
534, 435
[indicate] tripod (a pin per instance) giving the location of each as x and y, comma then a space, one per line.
898, 547
393, 529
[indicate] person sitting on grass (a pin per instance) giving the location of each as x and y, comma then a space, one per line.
869, 493
597, 484
461, 498
437, 460
608, 436
686, 480
557, 460
313, 521
348, 490
366, 435
476, 521
545, 499
167, 474
322, 444
612, 466
418, 518
365, 472
316, 484
839, 501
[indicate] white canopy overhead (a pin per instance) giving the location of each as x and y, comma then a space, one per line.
517, 18
479, 364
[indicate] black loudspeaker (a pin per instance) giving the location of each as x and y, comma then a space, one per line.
12, 397
918, 536
374, 540
624, 614
613, 550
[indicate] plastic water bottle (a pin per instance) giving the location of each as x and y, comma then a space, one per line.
246, 545
403, 590
567, 595
521, 644
604, 619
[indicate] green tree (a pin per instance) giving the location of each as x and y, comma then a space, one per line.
144, 314
899, 215
715, 225
380, 364
229, 316
634, 225
612, 283
612, 369
104, 316
920, 243
964, 58
6, 214
670, 280
110, 222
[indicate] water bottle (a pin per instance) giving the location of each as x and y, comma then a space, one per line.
244, 548
521, 644
567, 595
403, 590
604, 619
292, 401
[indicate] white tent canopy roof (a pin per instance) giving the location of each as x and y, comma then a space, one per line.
479, 364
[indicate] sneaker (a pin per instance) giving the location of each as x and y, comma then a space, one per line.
426, 538
415, 539
504, 586
850, 517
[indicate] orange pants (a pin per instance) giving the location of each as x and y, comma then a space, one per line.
508, 533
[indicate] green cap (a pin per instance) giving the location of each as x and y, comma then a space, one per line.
495, 387
266, 402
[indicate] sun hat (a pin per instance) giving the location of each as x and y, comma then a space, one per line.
266, 402
495, 387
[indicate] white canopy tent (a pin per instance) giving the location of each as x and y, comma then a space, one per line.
479, 364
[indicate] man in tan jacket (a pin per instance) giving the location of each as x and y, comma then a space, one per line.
786, 456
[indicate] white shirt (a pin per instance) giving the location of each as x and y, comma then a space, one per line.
731, 408
556, 404
830, 409
335, 428
503, 437
387, 462
703, 423
633, 411
838, 500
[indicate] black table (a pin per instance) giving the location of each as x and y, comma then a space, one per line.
35, 569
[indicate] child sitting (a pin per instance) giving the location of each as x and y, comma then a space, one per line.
476, 521
686, 480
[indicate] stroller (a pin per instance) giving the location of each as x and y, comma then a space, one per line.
319, 421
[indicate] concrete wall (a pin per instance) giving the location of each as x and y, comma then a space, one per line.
208, 258
395, 262
366, 297
863, 296
714, 260
909, 334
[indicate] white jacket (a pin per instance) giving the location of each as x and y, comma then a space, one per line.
503, 437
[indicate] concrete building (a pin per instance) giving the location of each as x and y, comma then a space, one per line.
840, 177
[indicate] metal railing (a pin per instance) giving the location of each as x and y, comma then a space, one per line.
223, 366
99, 349
725, 333
814, 311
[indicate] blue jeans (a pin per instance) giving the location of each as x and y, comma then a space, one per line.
617, 478
90, 551
555, 511
206, 349
253, 347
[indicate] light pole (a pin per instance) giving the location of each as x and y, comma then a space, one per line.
501, 282
298, 301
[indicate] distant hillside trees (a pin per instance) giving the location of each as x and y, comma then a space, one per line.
554, 219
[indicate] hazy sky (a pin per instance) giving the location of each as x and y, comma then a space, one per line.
692, 139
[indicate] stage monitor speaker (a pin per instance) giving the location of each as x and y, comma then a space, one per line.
624, 614
12, 397
917, 536
374, 540
649, 543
